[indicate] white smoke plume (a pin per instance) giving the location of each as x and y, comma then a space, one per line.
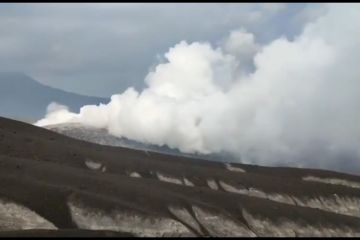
288, 101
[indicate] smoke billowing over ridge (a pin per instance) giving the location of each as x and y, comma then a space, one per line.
294, 101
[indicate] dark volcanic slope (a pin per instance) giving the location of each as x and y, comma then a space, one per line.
63, 233
21, 97
101, 136
50, 181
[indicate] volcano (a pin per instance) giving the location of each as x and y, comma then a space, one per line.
56, 185
23, 98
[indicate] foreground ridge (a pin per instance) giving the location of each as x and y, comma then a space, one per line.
54, 185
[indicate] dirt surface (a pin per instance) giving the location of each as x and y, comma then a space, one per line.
54, 185
63, 233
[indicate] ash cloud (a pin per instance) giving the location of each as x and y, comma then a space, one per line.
290, 101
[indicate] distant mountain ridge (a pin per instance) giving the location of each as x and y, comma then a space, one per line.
23, 98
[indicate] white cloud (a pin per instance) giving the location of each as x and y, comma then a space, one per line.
242, 45
300, 104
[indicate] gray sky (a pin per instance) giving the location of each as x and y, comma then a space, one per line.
103, 48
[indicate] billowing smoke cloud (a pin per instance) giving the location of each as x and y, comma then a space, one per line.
289, 101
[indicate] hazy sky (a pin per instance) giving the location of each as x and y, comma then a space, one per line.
103, 48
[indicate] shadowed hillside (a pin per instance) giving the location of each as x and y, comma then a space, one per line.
51, 181
21, 97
